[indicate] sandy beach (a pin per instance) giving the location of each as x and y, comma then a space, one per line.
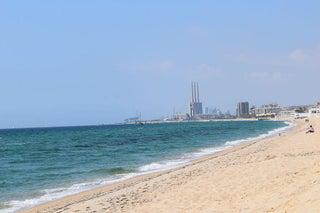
276, 174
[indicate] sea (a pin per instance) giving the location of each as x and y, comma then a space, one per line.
42, 164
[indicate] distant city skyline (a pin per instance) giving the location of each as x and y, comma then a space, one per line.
80, 63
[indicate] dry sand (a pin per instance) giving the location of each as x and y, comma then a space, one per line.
277, 174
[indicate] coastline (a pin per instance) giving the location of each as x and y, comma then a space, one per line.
111, 191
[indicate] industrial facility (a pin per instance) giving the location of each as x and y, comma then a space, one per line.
243, 111
195, 104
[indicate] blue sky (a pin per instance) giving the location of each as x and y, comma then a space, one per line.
92, 62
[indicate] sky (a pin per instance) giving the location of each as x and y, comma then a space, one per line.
97, 62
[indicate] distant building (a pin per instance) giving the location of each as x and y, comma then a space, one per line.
243, 110
132, 120
267, 110
195, 104
206, 111
315, 110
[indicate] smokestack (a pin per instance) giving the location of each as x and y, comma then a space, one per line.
192, 99
198, 92
193, 94
195, 91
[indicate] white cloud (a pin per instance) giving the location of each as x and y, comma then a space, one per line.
298, 55
156, 66
205, 71
307, 59
268, 77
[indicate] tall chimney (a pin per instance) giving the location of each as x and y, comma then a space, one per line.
194, 92
198, 100
192, 99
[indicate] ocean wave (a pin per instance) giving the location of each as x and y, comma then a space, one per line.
158, 166
56, 193
185, 159
209, 151
120, 174
262, 136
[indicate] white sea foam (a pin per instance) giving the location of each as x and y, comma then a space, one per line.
229, 144
56, 193
209, 151
185, 159
164, 165
268, 134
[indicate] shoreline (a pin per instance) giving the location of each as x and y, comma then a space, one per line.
122, 184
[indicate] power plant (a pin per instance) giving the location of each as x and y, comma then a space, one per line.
195, 104
243, 111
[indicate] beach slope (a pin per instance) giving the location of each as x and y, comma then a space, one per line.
277, 174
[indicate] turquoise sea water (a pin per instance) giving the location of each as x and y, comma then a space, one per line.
41, 164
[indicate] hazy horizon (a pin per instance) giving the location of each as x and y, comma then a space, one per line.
81, 63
